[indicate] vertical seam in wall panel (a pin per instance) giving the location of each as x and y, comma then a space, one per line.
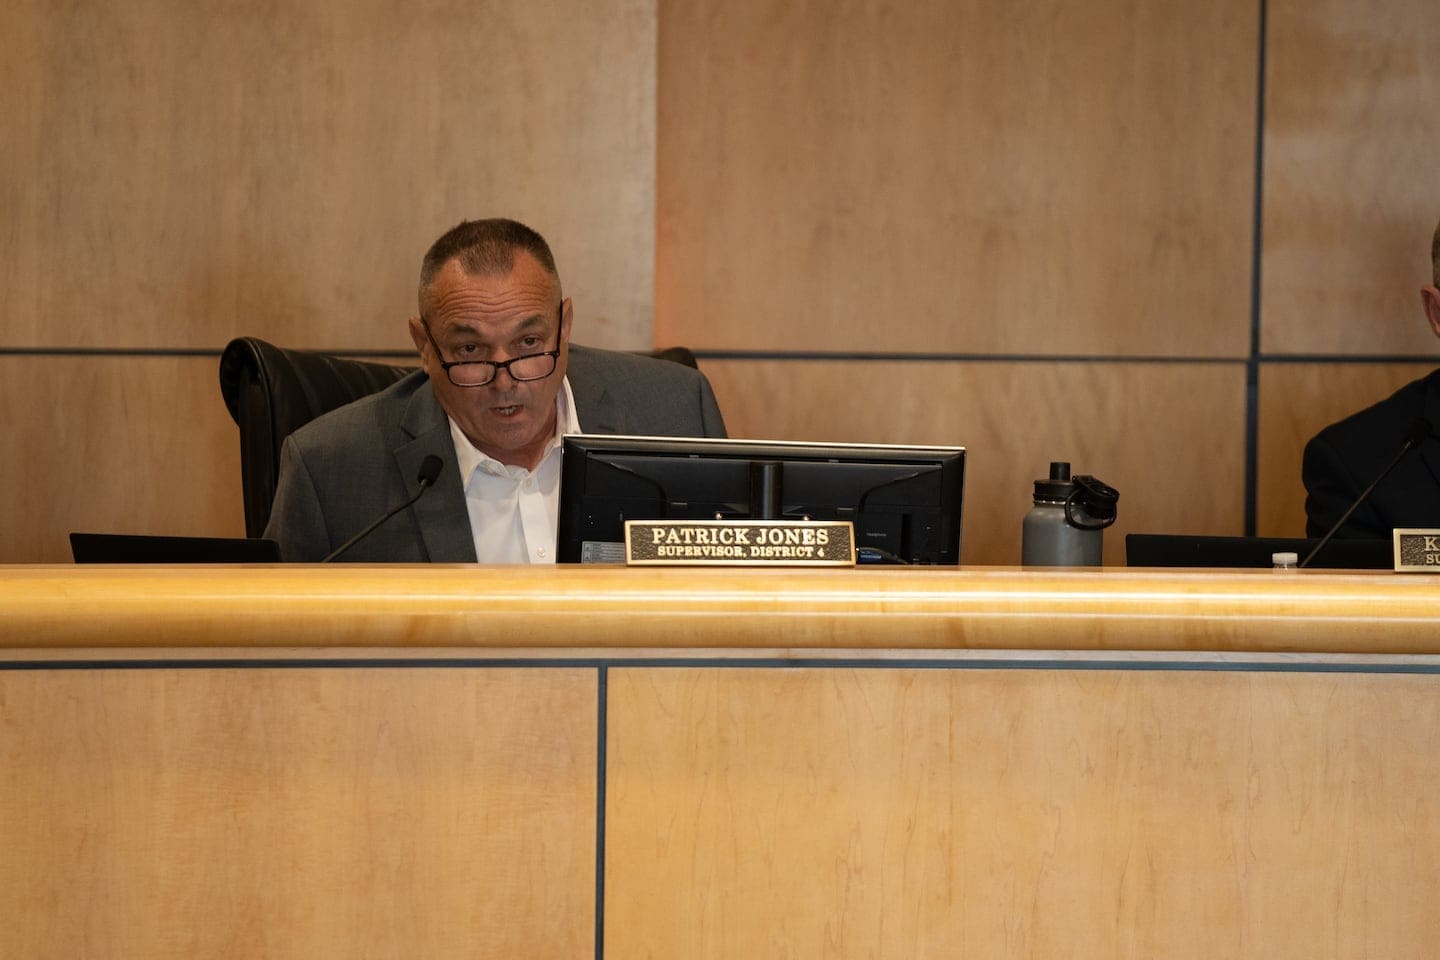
1252, 445
1252, 363
602, 676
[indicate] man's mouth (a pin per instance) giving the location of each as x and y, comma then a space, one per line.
509, 411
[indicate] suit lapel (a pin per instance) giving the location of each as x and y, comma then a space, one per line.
428, 433
446, 541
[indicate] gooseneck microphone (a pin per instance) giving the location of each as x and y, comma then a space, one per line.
1418, 431
429, 470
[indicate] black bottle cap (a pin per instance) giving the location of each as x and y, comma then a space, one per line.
1058, 488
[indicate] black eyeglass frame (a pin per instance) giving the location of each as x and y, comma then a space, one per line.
497, 365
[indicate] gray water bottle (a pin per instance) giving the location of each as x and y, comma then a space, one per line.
1064, 527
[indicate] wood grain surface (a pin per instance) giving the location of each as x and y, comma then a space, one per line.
1351, 193
1049, 177
180, 174
297, 813
1001, 813
303, 609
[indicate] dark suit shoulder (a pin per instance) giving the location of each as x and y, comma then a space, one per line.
617, 366
1378, 430
631, 393
1341, 460
373, 416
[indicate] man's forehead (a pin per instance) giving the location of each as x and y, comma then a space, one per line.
527, 284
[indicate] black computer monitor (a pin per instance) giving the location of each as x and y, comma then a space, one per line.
1185, 550
903, 500
147, 548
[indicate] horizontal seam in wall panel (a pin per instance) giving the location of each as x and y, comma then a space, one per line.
183, 352
955, 357
1282, 358
919, 663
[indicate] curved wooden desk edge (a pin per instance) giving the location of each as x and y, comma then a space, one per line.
556, 608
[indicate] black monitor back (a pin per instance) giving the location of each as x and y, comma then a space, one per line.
144, 548
905, 501
1184, 550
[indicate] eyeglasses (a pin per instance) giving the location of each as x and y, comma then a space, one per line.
477, 373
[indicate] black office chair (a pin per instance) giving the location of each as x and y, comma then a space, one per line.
271, 392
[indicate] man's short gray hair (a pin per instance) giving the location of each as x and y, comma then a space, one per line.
484, 248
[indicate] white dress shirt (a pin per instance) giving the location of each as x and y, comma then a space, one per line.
513, 510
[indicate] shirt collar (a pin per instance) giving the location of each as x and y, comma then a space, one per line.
470, 458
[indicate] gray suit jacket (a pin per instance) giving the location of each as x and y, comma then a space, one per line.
342, 470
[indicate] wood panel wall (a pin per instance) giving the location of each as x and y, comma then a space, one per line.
175, 175
965, 222
1057, 198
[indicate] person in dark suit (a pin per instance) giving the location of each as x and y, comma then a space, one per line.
499, 384
1342, 460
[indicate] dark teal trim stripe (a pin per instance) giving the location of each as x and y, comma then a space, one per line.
602, 737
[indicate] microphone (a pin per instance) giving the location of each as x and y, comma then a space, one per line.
429, 470
1418, 431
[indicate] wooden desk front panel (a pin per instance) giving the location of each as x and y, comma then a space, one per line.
877, 812
309, 812
923, 763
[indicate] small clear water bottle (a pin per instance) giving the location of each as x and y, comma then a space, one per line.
1285, 560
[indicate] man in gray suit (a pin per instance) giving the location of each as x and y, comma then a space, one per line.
499, 384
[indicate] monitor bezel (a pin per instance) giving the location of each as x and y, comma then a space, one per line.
584, 444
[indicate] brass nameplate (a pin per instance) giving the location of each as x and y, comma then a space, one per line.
1417, 551
793, 543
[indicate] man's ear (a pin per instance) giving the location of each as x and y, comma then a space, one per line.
1430, 298
417, 334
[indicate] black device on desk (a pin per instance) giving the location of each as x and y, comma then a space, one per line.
143, 548
1181, 550
905, 501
